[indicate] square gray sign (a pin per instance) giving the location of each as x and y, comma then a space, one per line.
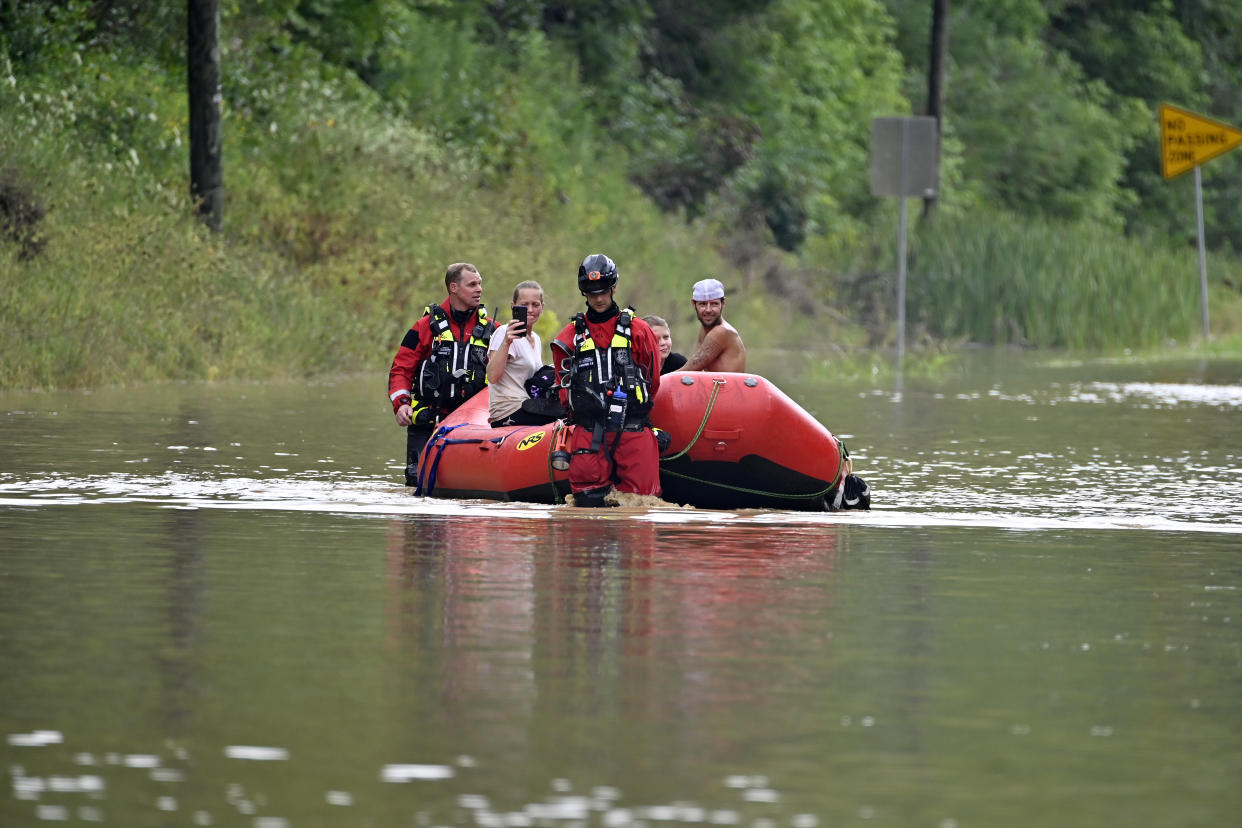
903, 157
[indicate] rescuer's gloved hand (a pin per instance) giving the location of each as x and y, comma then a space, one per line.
662, 439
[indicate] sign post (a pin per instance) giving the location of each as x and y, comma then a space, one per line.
1188, 140
903, 164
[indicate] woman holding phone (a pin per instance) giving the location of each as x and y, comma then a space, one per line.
513, 357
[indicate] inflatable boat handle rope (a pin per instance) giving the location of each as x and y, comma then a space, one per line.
707, 413
440, 441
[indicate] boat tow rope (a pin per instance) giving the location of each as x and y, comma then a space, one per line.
760, 492
439, 442
707, 413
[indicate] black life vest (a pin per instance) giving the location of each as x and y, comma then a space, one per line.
594, 375
455, 370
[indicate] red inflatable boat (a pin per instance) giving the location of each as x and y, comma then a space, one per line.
737, 442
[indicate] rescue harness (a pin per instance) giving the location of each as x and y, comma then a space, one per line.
455, 369
608, 391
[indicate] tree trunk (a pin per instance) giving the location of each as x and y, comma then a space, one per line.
203, 83
935, 85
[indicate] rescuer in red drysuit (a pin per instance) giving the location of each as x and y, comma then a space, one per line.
441, 362
608, 363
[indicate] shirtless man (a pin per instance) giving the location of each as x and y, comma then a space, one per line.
720, 346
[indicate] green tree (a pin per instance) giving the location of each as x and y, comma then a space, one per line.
1142, 53
1037, 134
1214, 25
1093, 69
825, 71
1184, 52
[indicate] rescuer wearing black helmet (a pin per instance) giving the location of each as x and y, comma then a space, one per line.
608, 362
596, 274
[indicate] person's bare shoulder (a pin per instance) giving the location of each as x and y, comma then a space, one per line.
730, 352
725, 332
720, 350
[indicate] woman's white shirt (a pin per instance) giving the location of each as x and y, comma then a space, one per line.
525, 358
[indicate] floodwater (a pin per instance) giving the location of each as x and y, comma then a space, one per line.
218, 608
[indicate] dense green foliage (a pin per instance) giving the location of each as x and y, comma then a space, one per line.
368, 143
1054, 105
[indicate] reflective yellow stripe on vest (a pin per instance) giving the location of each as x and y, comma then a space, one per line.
474, 340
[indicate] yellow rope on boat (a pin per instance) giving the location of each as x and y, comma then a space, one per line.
707, 413
711, 403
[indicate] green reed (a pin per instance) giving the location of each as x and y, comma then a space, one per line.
1002, 280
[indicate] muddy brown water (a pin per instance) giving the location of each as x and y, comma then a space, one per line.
217, 607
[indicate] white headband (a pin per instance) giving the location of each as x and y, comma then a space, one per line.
707, 289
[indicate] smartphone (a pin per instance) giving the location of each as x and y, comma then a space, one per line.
520, 314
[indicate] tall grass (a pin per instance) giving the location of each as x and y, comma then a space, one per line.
1001, 280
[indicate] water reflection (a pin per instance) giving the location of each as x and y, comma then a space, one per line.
613, 671
498, 616
499, 635
461, 612
186, 592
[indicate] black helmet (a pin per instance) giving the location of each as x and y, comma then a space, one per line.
596, 274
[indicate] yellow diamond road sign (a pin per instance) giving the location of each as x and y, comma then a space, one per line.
1188, 140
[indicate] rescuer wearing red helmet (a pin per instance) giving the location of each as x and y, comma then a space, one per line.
608, 362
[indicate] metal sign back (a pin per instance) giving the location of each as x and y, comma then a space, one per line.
903, 157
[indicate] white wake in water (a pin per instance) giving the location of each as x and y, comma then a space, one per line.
963, 507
